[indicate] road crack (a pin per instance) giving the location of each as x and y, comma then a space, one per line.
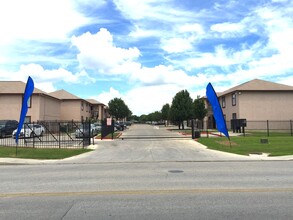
67, 210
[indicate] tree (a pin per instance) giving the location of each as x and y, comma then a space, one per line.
181, 108
199, 110
118, 109
166, 112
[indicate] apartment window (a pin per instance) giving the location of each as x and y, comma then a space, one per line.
223, 102
27, 119
82, 106
233, 99
29, 102
234, 116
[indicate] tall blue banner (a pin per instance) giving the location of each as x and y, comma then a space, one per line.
218, 113
27, 94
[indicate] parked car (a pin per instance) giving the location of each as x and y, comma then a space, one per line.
30, 130
7, 127
83, 131
117, 127
98, 127
123, 125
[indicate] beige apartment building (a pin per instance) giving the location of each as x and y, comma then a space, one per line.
98, 109
256, 100
41, 105
72, 107
59, 105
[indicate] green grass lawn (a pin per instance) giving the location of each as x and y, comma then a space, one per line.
276, 146
37, 153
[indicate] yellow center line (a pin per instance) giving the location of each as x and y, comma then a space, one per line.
145, 192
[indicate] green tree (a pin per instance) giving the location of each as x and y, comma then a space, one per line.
118, 109
181, 108
199, 110
166, 112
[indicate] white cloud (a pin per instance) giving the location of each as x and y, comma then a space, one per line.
40, 20
142, 100
162, 10
227, 27
176, 45
98, 52
106, 96
45, 78
163, 75
191, 28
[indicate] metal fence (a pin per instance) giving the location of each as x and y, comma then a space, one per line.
267, 127
52, 134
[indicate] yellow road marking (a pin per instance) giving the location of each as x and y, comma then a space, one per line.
146, 192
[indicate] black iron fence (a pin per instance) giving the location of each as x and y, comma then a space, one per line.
267, 127
52, 134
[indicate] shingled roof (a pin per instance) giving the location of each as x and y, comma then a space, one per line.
64, 95
16, 87
258, 85
94, 102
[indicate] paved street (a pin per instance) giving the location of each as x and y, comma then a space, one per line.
148, 179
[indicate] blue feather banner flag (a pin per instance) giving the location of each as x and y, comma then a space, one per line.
218, 113
27, 94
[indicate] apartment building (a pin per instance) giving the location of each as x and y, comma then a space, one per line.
256, 100
59, 105
41, 106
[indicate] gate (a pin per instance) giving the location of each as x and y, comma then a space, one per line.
152, 132
107, 128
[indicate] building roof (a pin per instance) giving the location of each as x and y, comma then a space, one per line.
64, 95
94, 102
16, 87
258, 85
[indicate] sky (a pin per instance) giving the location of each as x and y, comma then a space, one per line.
145, 51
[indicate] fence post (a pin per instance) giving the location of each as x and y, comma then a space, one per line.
207, 129
33, 132
192, 129
59, 135
291, 127
268, 130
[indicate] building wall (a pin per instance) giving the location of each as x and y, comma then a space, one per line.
73, 110
10, 105
277, 105
260, 106
42, 107
49, 108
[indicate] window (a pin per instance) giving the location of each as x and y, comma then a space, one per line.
233, 99
234, 116
82, 106
29, 101
27, 119
223, 102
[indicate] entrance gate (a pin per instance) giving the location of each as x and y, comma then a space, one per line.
156, 132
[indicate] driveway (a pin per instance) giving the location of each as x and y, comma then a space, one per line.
147, 143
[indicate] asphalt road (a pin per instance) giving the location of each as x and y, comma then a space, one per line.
148, 179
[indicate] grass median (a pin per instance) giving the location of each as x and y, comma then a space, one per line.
40, 153
276, 146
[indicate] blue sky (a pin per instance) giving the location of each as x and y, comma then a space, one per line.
145, 51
